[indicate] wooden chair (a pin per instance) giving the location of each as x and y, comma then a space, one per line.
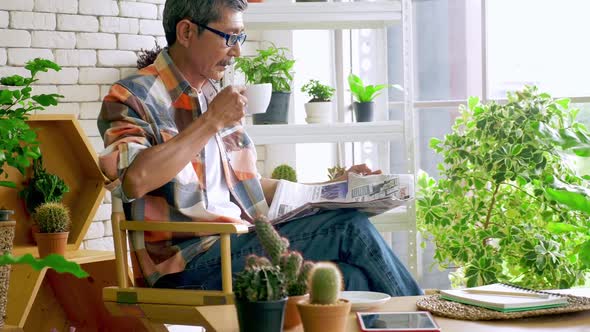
156, 306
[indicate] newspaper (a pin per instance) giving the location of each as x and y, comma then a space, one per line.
372, 194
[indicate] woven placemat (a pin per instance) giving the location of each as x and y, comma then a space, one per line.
441, 307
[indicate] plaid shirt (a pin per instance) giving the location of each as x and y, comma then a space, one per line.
150, 108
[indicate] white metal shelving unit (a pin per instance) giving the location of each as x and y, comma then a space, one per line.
335, 16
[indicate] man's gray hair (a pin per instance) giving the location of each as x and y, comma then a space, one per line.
201, 11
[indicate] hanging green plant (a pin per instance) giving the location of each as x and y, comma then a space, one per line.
492, 213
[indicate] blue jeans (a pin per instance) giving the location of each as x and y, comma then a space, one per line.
345, 237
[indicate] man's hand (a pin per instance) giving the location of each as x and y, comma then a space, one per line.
361, 169
228, 107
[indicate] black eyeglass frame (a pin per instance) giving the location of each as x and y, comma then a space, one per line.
226, 36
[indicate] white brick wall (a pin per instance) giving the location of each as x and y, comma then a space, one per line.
77, 23
96, 43
30, 20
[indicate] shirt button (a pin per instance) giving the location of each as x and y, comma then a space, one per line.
240, 144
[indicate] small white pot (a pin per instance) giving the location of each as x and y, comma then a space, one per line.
319, 112
258, 97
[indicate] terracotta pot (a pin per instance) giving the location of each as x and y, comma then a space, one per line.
51, 243
324, 317
292, 317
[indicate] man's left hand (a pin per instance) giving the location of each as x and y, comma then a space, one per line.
361, 169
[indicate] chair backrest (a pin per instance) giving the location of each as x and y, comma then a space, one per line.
122, 253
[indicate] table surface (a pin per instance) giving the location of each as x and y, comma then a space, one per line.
223, 318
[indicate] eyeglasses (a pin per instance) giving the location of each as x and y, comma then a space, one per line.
230, 39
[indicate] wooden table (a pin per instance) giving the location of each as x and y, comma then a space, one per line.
224, 319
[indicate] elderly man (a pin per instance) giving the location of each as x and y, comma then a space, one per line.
176, 150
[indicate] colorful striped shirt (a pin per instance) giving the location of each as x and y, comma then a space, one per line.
150, 108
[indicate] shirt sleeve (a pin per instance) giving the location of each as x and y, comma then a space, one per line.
126, 132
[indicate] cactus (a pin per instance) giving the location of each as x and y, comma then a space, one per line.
284, 172
271, 241
325, 284
253, 261
260, 283
52, 217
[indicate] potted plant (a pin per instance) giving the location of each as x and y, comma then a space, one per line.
53, 219
272, 66
319, 107
53, 261
491, 213
284, 172
43, 187
364, 94
336, 172
295, 270
260, 296
324, 311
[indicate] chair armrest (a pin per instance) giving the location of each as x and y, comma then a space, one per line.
184, 226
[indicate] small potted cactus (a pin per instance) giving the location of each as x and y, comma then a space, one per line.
260, 296
324, 311
294, 268
284, 172
53, 219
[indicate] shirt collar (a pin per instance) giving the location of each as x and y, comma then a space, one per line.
171, 76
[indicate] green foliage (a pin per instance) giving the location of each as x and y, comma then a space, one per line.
284, 172
335, 172
365, 94
53, 261
317, 91
44, 187
494, 213
52, 217
260, 283
270, 65
325, 284
18, 142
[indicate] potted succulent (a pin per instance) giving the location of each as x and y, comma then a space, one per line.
324, 311
284, 172
295, 270
260, 296
53, 219
498, 211
336, 172
319, 107
364, 94
272, 66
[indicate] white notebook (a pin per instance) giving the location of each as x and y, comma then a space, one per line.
507, 298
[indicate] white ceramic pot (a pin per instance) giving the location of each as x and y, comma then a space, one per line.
258, 97
319, 112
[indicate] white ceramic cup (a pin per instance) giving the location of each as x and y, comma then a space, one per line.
258, 97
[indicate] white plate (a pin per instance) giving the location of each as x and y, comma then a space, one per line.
364, 300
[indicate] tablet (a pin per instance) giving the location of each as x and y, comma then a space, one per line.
397, 321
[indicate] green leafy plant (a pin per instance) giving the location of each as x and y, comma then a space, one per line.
366, 93
270, 65
492, 213
18, 142
325, 284
294, 268
318, 91
53, 261
44, 187
259, 282
52, 217
335, 172
284, 172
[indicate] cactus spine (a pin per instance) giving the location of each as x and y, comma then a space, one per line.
52, 217
284, 172
325, 284
260, 283
291, 263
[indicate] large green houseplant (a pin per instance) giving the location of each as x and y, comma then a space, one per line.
491, 214
271, 65
18, 142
